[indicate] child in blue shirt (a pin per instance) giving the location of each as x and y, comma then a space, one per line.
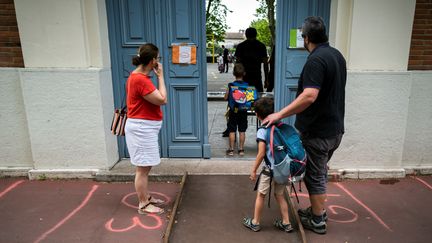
264, 107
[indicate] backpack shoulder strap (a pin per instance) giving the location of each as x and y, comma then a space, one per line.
270, 136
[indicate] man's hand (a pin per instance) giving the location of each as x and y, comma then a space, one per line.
270, 119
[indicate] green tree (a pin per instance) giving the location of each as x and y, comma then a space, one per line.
266, 10
216, 26
263, 31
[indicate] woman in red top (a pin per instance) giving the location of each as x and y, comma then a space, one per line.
144, 121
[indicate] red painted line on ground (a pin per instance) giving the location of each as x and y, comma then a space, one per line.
307, 195
365, 207
424, 182
83, 203
11, 187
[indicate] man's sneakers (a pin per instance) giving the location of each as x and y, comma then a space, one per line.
312, 222
307, 212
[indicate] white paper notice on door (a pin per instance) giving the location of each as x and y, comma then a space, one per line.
183, 54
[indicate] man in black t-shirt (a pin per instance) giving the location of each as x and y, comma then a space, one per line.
251, 53
320, 110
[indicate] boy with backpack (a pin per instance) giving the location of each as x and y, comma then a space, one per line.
263, 107
240, 98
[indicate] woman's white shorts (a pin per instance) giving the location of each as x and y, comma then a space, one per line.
142, 141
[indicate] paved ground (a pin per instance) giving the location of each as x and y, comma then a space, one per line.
217, 82
378, 211
211, 210
79, 211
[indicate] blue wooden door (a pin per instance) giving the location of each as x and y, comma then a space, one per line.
290, 15
165, 23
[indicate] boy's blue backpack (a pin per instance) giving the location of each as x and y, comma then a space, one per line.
241, 97
288, 161
288, 158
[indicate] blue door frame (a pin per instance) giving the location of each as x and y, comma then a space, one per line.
290, 15
170, 22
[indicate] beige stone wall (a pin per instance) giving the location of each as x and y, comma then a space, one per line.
373, 34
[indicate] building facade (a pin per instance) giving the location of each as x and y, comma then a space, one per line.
58, 87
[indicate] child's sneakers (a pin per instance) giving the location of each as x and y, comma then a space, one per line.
284, 227
248, 223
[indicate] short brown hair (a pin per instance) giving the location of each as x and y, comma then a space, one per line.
264, 106
239, 70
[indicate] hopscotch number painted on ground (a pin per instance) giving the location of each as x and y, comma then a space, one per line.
136, 221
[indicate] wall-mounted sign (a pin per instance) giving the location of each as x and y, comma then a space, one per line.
296, 40
183, 53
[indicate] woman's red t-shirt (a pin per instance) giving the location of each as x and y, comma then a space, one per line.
138, 86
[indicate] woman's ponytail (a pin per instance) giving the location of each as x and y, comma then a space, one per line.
136, 60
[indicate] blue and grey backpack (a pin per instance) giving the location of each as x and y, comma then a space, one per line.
288, 158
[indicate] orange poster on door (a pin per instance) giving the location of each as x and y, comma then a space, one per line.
183, 54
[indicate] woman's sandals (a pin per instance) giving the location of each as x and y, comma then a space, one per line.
149, 207
155, 201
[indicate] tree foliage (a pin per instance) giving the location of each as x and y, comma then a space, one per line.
266, 11
263, 31
216, 13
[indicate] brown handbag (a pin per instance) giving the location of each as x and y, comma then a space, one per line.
119, 117
119, 121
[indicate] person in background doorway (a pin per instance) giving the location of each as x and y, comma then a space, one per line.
269, 85
320, 111
251, 53
225, 58
144, 122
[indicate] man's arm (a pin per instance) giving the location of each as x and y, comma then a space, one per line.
303, 101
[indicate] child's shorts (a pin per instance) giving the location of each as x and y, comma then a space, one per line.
264, 185
237, 120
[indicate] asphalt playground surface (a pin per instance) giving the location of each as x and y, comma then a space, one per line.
210, 210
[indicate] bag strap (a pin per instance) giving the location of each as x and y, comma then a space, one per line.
295, 192
272, 131
124, 98
271, 179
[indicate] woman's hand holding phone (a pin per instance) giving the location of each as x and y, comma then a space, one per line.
158, 70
